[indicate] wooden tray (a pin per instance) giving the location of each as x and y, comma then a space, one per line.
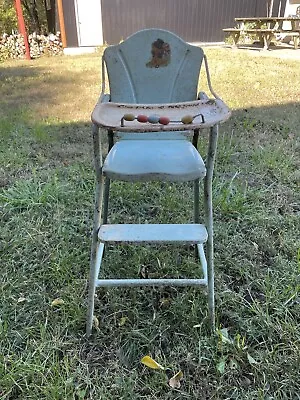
109, 115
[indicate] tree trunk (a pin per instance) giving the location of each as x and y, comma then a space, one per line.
31, 8
50, 8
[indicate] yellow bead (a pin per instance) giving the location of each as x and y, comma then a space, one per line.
187, 119
129, 117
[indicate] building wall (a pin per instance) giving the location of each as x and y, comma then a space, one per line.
193, 20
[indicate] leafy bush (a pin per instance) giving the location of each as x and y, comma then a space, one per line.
8, 18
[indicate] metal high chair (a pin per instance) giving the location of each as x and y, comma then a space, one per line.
149, 115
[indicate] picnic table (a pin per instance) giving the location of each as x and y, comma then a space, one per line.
266, 28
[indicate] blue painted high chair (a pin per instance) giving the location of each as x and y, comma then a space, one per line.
150, 114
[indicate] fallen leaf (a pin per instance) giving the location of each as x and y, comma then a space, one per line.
251, 359
123, 321
224, 336
165, 301
150, 363
96, 323
221, 366
21, 299
233, 364
57, 302
174, 382
81, 394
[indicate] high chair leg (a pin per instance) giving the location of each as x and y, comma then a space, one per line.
106, 200
213, 138
94, 258
196, 208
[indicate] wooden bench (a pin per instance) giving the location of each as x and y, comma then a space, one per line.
265, 35
235, 33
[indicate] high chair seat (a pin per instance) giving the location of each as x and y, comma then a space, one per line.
148, 160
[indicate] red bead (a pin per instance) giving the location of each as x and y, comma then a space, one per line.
164, 120
142, 118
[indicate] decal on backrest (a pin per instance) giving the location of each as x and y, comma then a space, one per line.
161, 54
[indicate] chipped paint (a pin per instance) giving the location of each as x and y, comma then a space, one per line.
161, 54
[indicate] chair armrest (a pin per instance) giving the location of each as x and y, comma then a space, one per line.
202, 96
208, 78
104, 98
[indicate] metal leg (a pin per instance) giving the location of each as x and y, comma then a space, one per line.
107, 181
106, 200
196, 208
96, 226
196, 201
94, 273
213, 138
196, 190
94, 268
203, 261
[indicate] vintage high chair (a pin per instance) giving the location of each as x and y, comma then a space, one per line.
151, 109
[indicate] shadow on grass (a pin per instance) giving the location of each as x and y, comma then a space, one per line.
20, 85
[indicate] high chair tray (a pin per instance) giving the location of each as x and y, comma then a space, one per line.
191, 115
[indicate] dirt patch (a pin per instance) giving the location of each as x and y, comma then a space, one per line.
282, 51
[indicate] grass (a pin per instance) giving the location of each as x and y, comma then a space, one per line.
47, 185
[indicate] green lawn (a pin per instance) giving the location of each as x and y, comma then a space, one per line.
47, 184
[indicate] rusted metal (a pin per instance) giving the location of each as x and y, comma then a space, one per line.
160, 54
158, 158
205, 113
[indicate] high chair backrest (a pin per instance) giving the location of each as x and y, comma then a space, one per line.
153, 66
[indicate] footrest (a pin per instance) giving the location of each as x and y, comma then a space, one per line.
153, 233
150, 282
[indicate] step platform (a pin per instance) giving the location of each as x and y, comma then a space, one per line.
153, 233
